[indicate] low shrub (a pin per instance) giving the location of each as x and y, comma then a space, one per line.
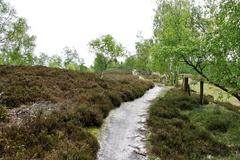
115, 98
185, 105
88, 116
165, 112
58, 135
219, 125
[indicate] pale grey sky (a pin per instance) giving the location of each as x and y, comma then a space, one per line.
73, 23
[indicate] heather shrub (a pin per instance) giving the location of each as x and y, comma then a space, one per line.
220, 125
81, 100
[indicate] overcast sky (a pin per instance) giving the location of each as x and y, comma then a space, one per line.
73, 23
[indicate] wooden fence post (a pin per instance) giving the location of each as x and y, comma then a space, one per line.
201, 92
186, 84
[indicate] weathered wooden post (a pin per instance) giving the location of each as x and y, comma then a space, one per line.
201, 92
186, 84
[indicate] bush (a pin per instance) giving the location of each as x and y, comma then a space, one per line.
165, 112
85, 116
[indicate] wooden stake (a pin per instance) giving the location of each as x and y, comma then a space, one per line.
186, 84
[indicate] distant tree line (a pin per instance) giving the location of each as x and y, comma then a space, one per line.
17, 47
69, 60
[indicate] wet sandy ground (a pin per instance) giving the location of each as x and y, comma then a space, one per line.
123, 132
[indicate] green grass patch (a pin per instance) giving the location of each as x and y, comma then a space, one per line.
94, 131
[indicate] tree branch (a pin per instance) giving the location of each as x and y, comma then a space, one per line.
199, 71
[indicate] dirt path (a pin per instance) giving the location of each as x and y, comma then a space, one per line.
123, 133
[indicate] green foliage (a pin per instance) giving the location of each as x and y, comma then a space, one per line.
223, 43
100, 63
16, 45
72, 60
42, 59
55, 62
143, 49
130, 63
175, 36
107, 51
203, 38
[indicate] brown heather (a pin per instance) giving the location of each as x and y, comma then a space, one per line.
83, 100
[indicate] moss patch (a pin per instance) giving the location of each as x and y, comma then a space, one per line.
94, 131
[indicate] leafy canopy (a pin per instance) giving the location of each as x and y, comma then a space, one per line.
206, 39
16, 45
107, 51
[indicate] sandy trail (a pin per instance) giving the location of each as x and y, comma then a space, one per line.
123, 132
